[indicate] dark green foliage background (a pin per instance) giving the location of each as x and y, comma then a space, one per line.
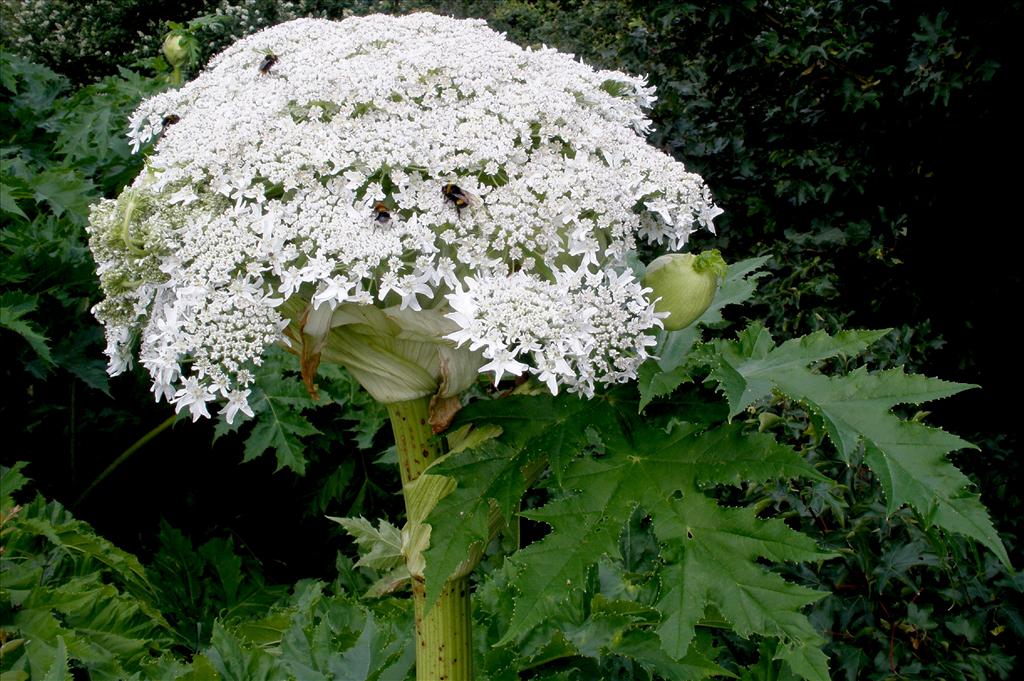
868, 148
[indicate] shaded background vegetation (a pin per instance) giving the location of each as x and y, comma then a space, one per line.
867, 147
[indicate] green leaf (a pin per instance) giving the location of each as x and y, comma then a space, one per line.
11, 480
234, 661
647, 467
280, 402
34, 86
720, 547
749, 368
584, 528
76, 541
909, 458
220, 554
367, 414
11, 189
380, 548
910, 461
542, 425
13, 307
78, 354
202, 669
197, 586
719, 567
738, 286
82, 136
375, 652
645, 648
331, 637
654, 382
106, 631
7, 79
90, 124
806, 661
68, 586
59, 671
280, 430
280, 423
66, 192
14, 676
489, 473
726, 455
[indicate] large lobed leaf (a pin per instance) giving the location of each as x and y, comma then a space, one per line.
461, 518
908, 457
661, 472
69, 596
710, 553
711, 562
281, 406
316, 637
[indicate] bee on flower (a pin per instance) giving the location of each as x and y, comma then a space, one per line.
381, 214
168, 121
459, 198
268, 63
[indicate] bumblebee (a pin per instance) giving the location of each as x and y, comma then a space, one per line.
267, 63
381, 214
168, 121
459, 197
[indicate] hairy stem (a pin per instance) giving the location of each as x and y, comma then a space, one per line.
443, 634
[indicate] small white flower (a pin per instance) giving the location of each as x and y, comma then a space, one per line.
262, 203
194, 396
502, 362
708, 214
335, 290
185, 196
238, 401
662, 208
411, 287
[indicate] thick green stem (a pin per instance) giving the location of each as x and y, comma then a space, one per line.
443, 635
444, 650
417, 445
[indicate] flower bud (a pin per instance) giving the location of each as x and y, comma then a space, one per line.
174, 50
684, 285
766, 420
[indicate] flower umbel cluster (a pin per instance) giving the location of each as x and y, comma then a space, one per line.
414, 164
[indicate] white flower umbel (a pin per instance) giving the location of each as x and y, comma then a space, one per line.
415, 197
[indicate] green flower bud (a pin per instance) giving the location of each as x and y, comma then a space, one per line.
766, 420
684, 285
174, 50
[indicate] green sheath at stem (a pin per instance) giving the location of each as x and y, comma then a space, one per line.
443, 635
417, 445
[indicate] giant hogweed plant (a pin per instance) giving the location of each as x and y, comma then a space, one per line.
422, 202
